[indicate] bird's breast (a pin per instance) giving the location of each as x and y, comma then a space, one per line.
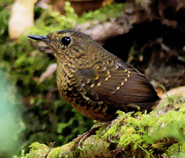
72, 91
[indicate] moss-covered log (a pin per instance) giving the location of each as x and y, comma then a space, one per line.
157, 134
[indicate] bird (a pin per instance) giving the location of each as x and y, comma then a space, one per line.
94, 81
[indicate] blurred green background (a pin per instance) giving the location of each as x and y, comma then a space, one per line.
32, 112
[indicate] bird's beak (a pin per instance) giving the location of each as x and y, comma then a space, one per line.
40, 38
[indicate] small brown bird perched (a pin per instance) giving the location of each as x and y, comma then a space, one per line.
94, 81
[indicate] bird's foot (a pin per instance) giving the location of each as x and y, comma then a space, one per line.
81, 138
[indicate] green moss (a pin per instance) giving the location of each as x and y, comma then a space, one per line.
139, 135
38, 150
112, 10
144, 132
50, 21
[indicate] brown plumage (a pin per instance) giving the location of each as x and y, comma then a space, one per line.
94, 81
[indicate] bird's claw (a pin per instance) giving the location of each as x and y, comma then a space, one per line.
78, 142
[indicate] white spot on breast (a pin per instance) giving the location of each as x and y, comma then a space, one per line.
99, 84
92, 85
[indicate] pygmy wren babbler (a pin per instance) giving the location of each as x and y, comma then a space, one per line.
94, 81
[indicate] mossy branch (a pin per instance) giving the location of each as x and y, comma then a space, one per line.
159, 133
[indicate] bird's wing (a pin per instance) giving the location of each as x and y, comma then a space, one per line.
116, 82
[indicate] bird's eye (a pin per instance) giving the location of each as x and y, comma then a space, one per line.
66, 41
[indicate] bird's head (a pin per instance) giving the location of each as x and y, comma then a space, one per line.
68, 44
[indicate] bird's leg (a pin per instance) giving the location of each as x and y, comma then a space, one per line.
78, 141
81, 138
